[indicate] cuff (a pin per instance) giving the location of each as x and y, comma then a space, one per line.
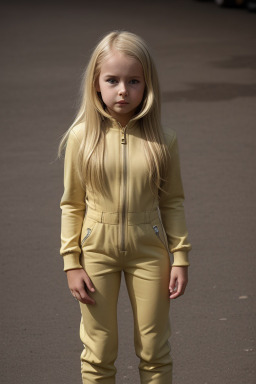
72, 261
180, 259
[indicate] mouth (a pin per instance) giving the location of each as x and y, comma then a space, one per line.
122, 102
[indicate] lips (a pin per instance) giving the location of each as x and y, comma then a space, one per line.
122, 102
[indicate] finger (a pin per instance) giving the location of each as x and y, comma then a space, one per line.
180, 289
173, 283
89, 284
84, 298
73, 293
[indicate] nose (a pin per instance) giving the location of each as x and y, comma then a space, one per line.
122, 90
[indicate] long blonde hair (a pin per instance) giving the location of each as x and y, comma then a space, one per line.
92, 114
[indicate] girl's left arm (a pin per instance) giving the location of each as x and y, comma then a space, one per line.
173, 218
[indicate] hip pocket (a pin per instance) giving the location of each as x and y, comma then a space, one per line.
159, 233
87, 231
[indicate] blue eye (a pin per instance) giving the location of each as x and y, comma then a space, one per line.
134, 81
111, 81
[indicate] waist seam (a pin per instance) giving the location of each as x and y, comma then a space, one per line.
133, 218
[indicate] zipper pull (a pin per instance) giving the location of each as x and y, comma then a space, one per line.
123, 139
156, 230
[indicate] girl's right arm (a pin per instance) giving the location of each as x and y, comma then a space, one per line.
73, 210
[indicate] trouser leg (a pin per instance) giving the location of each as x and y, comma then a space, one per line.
98, 330
147, 284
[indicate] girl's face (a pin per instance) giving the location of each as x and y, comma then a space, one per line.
121, 84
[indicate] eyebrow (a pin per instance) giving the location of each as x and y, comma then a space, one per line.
132, 77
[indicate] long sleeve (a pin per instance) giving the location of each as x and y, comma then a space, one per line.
172, 209
73, 207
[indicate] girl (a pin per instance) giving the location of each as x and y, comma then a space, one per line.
122, 210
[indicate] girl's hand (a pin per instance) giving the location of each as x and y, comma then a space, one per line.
79, 284
178, 281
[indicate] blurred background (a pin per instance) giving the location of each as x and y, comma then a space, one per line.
250, 5
206, 58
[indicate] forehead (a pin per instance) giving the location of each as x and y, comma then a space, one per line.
118, 63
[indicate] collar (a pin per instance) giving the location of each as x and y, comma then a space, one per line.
112, 123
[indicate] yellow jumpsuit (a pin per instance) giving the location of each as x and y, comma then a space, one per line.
128, 229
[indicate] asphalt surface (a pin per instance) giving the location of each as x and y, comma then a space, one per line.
206, 60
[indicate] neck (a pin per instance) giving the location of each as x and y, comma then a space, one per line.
122, 120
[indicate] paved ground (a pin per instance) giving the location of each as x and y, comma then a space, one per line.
206, 59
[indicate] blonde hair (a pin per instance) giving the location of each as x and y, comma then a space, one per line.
92, 114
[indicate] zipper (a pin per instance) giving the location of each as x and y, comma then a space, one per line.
124, 189
123, 138
155, 227
89, 231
